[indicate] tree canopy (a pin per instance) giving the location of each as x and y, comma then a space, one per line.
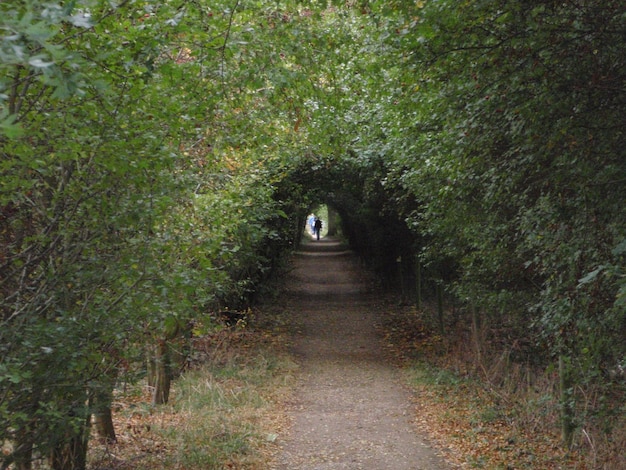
157, 160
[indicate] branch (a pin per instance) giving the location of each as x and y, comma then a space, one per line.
226, 37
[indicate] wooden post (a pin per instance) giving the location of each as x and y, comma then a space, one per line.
567, 405
476, 333
418, 282
440, 308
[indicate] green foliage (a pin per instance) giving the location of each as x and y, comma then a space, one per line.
512, 147
129, 203
156, 158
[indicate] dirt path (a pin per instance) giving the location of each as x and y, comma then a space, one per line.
351, 410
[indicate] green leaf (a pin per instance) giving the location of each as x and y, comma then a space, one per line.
9, 127
39, 62
590, 277
620, 249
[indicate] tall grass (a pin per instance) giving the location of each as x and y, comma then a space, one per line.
223, 413
215, 424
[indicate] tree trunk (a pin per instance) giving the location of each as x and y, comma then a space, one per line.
103, 421
567, 405
163, 376
71, 454
103, 417
442, 330
476, 336
23, 454
330, 223
25, 435
151, 365
418, 282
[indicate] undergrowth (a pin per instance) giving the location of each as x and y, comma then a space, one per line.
487, 411
222, 413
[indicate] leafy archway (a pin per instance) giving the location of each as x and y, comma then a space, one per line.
158, 159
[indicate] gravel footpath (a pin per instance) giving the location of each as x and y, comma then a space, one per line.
350, 409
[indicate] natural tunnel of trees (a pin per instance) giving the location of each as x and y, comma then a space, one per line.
158, 159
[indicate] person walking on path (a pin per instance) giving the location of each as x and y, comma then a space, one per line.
318, 227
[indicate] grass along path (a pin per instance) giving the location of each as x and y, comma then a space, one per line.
224, 413
239, 405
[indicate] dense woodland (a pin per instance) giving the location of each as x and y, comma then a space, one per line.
158, 159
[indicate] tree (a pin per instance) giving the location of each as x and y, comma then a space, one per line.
514, 155
81, 190
130, 204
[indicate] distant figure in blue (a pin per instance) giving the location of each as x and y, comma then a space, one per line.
312, 223
317, 227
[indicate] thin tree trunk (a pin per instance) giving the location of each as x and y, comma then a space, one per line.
442, 330
332, 222
103, 416
163, 376
567, 405
103, 421
418, 282
151, 365
23, 454
476, 334
23, 445
71, 454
